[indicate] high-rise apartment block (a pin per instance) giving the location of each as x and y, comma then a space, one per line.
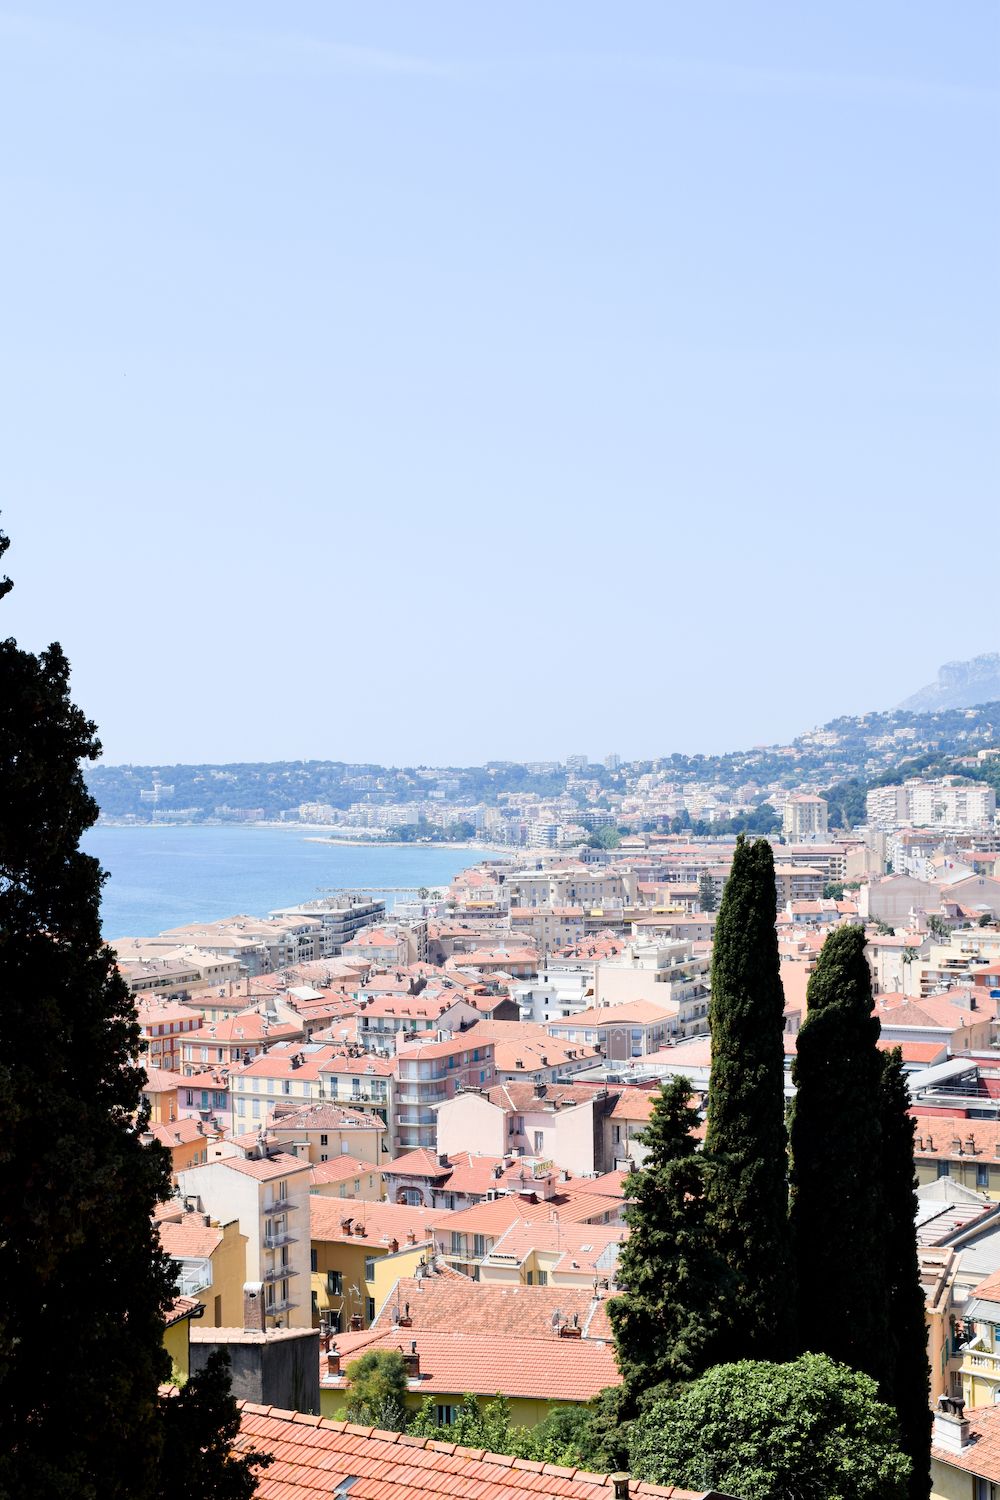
804, 817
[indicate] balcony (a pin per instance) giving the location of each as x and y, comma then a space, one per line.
279, 1273
981, 1362
280, 1205
277, 1308
275, 1241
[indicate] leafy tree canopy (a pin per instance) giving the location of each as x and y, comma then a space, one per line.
811, 1429
378, 1390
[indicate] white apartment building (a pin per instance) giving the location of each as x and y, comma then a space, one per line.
804, 817
269, 1195
949, 802
670, 974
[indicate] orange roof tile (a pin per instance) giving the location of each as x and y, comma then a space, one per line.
314, 1455
484, 1363
447, 1303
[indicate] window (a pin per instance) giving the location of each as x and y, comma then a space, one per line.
479, 1245
313, 1260
982, 1177
944, 1169
335, 1283
369, 1268
543, 1278
371, 1309
539, 1142
324, 1156
445, 1416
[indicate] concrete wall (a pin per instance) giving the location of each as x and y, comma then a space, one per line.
282, 1371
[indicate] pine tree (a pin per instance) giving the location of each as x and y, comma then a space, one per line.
706, 892
746, 1144
838, 1213
85, 1283
907, 1385
665, 1321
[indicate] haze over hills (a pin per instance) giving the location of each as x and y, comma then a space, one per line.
959, 684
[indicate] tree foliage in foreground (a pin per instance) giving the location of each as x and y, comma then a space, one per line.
907, 1383
568, 1435
838, 1214
746, 1142
810, 1428
86, 1285
666, 1319
378, 1390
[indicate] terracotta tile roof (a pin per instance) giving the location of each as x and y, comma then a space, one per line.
182, 1133
522, 1099
635, 1012
634, 1104
419, 1163
582, 1249
982, 1456
189, 1240
484, 1363
161, 1080
381, 1221
936, 1137
438, 1302
340, 1168
313, 1456
248, 1026
278, 1165
181, 1308
322, 1116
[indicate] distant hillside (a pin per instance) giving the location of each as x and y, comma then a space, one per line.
960, 684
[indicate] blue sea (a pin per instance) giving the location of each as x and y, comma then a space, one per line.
161, 877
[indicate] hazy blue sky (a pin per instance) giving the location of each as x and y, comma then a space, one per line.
442, 382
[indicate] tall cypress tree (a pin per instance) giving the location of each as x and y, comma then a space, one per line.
666, 1320
746, 1143
85, 1282
838, 1212
907, 1385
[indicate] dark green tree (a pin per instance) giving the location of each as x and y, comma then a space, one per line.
907, 1385
746, 1143
378, 1390
810, 1429
706, 892
838, 1214
201, 1430
81, 1329
665, 1320
85, 1283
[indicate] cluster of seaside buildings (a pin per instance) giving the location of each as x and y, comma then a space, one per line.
423, 1120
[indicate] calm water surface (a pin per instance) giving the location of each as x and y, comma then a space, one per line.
163, 877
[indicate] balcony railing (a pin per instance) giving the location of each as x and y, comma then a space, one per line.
275, 1241
280, 1205
981, 1362
279, 1273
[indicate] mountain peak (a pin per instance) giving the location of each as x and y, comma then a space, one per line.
960, 684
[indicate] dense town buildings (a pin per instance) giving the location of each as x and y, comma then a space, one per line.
361, 1103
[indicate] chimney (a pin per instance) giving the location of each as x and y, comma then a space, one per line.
412, 1361
411, 1238
355, 1322
620, 1482
951, 1426
332, 1361
253, 1307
